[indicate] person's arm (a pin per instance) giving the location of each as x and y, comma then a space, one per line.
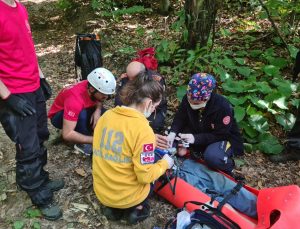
147, 172
222, 127
161, 141
69, 134
4, 92
181, 117
96, 115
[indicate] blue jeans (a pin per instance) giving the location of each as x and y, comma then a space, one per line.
204, 179
83, 125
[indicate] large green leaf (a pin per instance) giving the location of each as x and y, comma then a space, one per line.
259, 123
263, 87
273, 95
259, 102
236, 86
287, 120
252, 133
237, 100
278, 62
245, 71
269, 144
281, 103
239, 113
241, 61
285, 87
228, 63
224, 75
295, 102
255, 52
252, 111
271, 70
181, 91
293, 50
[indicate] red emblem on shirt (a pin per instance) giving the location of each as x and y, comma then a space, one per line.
148, 147
147, 158
226, 120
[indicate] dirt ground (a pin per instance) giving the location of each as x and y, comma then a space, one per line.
54, 39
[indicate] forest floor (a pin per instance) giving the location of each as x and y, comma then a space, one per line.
54, 36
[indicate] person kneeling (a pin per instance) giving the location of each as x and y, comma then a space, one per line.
123, 152
205, 121
77, 108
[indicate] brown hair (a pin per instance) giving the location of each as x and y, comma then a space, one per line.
143, 86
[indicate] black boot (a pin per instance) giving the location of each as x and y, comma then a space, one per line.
288, 155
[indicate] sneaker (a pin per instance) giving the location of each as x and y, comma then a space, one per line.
113, 213
85, 149
288, 155
138, 215
55, 185
51, 211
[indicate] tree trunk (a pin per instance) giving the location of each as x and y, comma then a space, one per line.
164, 6
199, 20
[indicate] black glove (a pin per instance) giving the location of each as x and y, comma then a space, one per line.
294, 143
19, 105
46, 88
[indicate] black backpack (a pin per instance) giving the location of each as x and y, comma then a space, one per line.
87, 54
206, 216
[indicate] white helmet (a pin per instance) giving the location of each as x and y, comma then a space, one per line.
102, 80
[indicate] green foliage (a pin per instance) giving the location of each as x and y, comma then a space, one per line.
261, 97
32, 213
65, 4
36, 225
130, 11
18, 224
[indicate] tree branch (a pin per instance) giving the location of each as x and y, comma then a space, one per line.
273, 24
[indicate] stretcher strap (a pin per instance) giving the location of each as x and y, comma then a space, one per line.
233, 192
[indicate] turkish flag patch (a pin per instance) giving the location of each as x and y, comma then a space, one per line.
148, 147
226, 120
147, 158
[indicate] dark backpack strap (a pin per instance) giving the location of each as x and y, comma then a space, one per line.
233, 192
76, 56
214, 211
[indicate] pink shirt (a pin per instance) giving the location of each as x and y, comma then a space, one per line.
18, 62
72, 100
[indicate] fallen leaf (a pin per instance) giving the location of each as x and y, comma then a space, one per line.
3, 196
81, 207
81, 172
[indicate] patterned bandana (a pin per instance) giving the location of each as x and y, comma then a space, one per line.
200, 87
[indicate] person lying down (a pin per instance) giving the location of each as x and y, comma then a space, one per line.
209, 181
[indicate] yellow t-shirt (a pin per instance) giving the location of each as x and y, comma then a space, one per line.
123, 158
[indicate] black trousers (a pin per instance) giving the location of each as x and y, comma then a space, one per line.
29, 134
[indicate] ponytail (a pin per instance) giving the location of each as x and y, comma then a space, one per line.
143, 86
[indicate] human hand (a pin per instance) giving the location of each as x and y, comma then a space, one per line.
19, 105
169, 159
189, 138
161, 141
124, 75
95, 117
171, 138
45, 88
182, 151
